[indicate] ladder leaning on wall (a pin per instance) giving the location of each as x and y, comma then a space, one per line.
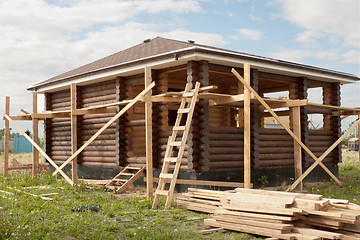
187, 106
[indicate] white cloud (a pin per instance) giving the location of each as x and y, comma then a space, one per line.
335, 18
39, 40
255, 18
296, 55
251, 34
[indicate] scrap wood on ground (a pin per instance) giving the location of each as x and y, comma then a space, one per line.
274, 214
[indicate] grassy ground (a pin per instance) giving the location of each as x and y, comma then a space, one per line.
93, 213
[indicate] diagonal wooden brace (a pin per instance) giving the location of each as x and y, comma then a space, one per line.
256, 95
127, 107
323, 156
40, 150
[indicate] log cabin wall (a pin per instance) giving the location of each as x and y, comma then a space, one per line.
103, 151
58, 130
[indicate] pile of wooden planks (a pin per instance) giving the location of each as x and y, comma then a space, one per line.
274, 214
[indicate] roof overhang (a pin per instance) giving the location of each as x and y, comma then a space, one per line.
197, 53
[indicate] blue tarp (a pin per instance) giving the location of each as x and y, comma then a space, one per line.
22, 145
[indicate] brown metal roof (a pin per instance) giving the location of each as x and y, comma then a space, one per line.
157, 46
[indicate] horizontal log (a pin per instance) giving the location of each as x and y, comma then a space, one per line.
320, 143
60, 128
105, 116
275, 138
318, 148
224, 150
228, 136
61, 143
97, 159
265, 150
184, 161
60, 120
90, 94
276, 156
320, 132
99, 142
60, 153
320, 138
99, 88
93, 131
276, 163
226, 157
91, 121
60, 158
102, 164
64, 123
58, 138
225, 129
135, 123
87, 153
228, 164
136, 160
60, 148
203, 183
101, 148
59, 105
100, 137
270, 131
97, 126
101, 99
237, 144
276, 144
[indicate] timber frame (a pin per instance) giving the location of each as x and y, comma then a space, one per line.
213, 99
125, 119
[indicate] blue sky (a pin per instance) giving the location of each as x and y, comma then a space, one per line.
40, 39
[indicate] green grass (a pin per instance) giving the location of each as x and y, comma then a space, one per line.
349, 172
92, 213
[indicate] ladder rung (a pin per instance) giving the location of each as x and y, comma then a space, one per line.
184, 110
179, 128
174, 143
188, 94
120, 180
162, 192
170, 159
127, 174
133, 168
166, 175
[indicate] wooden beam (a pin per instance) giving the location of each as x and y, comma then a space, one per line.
24, 111
39, 149
318, 160
203, 183
7, 136
295, 115
73, 100
35, 153
247, 129
127, 107
148, 134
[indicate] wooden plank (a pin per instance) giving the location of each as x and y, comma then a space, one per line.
317, 160
40, 150
247, 129
7, 136
35, 153
130, 181
295, 114
73, 101
148, 136
112, 120
261, 216
258, 199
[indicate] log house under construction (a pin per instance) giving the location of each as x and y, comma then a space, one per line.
215, 147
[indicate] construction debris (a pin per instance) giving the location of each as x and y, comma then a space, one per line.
273, 214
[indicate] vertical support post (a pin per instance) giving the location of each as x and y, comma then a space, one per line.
296, 125
7, 136
247, 129
73, 132
359, 136
35, 154
148, 133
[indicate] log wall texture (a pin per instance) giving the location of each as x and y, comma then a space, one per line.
226, 147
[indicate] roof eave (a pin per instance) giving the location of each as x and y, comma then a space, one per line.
198, 53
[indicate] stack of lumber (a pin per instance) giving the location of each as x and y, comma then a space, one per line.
275, 214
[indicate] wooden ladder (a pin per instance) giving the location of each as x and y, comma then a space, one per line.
125, 178
187, 107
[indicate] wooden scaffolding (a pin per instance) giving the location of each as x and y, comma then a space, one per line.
248, 96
